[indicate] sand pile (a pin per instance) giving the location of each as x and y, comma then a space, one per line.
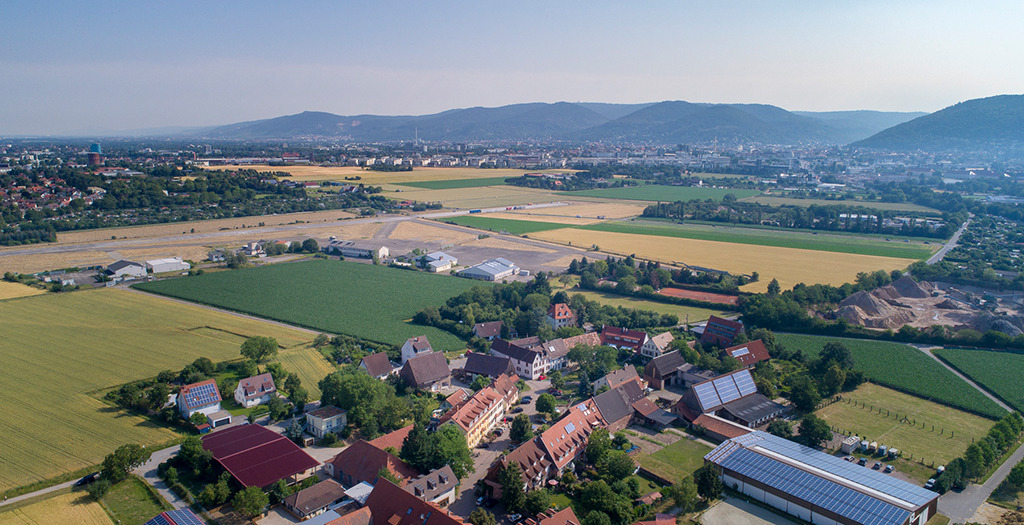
865, 309
908, 287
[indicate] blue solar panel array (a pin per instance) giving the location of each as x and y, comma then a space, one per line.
727, 390
826, 494
745, 383
706, 395
177, 517
201, 395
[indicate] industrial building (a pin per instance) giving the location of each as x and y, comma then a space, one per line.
818, 487
491, 270
170, 264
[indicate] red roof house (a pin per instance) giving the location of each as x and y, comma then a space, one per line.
257, 456
749, 354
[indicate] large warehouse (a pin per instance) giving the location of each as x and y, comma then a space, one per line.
818, 487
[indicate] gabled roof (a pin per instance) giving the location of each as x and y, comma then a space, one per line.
201, 394
419, 343
560, 311
257, 386
563, 517
718, 329
363, 461
753, 408
488, 365
749, 353
457, 397
393, 439
491, 329
720, 426
505, 385
530, 456
612, 406
312, 499
664, 364
616, 378
709, 395
555, 348
360, 516
176, 517
425, 369
432, 485
257, 456
588, 339
612, 335
568, 436
662, 340
390, 505
468, 414
514, 351
377, 364
122, 264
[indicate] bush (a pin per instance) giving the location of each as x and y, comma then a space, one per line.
99, 488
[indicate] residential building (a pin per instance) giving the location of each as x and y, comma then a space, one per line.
437, 487
616, 406
325, 420
491, 270
817, 487
427, 372
732, 396
202, 397
313, 501
559, 315
617, 378
657, 345
255, 390
533, 461
393, 439
438, 262
720, 332
170, 264
455, 399
478, 415
665, 370
415, 346
565, 516
488, 330
125, 270
749, 354
478, 364
176, 517
531, 358
257, 456
390, 505
363, 462
623, 338
378, 365
566, 440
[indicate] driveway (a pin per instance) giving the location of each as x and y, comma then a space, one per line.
148, 472
961, 506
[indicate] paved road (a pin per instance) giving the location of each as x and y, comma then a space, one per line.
961, 506
39, 492
927, 350
148, 472
949, 245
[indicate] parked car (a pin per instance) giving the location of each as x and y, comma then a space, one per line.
514, 518
887, 469
863, 461
877, 465
517, 410
930, 484
480, 501
87, 479
526, 400
850, 458
485, 445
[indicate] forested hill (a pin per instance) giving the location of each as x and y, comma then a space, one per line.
984, 123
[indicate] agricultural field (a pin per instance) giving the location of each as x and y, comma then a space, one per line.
310, 365
9, 290
789, 265
469, 198
456, 183
902, 367
513, 226
132, 502
653, 192
792, 201
58, 356
66, 507
363, 300
894, 419
376, 178
676, 461
999, 372
692, 313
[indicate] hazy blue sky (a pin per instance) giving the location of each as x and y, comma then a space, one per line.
77, 66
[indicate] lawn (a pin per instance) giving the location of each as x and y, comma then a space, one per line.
363, 300
663, 193
66, 507
58, 353
895, 419
132, 502
772, 237
513, 226
902, 367
676, 461
999, 372
455, 183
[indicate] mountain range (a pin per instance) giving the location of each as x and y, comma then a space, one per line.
670, 122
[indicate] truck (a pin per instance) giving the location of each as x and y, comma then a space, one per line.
475, 211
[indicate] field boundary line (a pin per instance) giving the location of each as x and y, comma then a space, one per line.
983, 389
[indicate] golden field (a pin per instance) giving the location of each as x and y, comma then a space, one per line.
427, 232
376, 178
73, 507
14, 290
479, 197
790, 266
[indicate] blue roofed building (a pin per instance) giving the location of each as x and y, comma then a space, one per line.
200, 397
176, 517
818, 487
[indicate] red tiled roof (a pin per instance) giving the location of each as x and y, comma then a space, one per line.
390, 505
589, 339
749, 353
392, 439
722, 428
468, 413
563, 517
363, 461
257, 456
568, 436
560, 311
194, 399
611, 335
357, 517
645, 407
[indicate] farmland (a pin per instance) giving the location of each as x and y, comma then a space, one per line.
902, 367
58, 354
791, 201
321, 173
480, 197
455, 183
310, 365
676, 461
372, 302
692, 313
790, 266
877, 413
66, 507
999, 372
663, 193
10, 290
513, 226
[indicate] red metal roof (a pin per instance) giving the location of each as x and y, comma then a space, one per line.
257, 456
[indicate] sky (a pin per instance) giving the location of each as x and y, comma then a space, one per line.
72, 67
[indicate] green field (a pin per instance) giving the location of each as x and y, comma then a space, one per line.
310, 365
454, 183
999, 372
953, 430
132, 502
793, 201
363, 300
663, 193
902, 367
676, 461
494, 224
693, 313
60, 350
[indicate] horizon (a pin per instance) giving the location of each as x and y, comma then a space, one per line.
126, 68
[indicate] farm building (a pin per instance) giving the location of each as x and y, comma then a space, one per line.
732, 396
390, 504
427, 372
415, 346
559, 315
486, 365
749, 354
201, 397
818, 487
169, 264
665, 370
616, 405
438, 262
623, 338
313, 501
255, 390
363, 462
437, 487
377, 365
489, 330
257, 456
657, 345
720, 332
491, 270
324, 420
124, 270
351, 249
617, 378
176, 517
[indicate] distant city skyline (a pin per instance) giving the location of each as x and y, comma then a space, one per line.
80, 68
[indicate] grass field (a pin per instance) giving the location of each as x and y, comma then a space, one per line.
58, 349
469, 198
493, 224
66, 507
9, 290
132, 502
898, 206
903, 367
954, 429
310, 365
676, 461
663, 193
372, 302
789, 265
692, 313
456, 183
997, 371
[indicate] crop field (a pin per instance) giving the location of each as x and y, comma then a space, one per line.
456, 183
700, 296
773, 237
310, 365
57, 352
469, 198
495, 224
372, 302
10, 290
999, 372
663, 193
895, 419
902, 367
66, 507
692, 312
676, 461
338, 173
789, 265
791, 201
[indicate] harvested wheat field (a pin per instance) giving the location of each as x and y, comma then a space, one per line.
51, 261
421, 231
339, 173
790, 266
588, 210
73, 507
482, 197
492, 242
15, 290
544, 217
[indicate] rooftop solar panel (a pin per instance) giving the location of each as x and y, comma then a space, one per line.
158, 520
707, 396
745, 383
727, 390
185, 517
740, 351
569, 427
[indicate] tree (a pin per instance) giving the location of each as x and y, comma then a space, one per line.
479, 382
279, 491
417, 448
259, 348
193, 453
598, 445
119, 463
814, 430
450, 449
321, 340
596, 517
294, 432
781, 428
250, 502
521, 430
537, 501
388, 475
557, 381
615, 465
197, 419
833, 380
299, 397
546, 404
836, 353
99, 488
291, 382
278, 409
310, 246
482, 516
709, 485
803, 394
511, 479
247, 368
774, 288
684, 494
974, 461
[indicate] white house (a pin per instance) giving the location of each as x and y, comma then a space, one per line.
202, 397
351, 249
438, 261
169, 264
123, 270
415, 346
324, 420
255, 390
657, 345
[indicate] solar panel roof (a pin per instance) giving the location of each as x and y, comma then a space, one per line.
740, 351
727, 390
176, 517
745, 383
706, 395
